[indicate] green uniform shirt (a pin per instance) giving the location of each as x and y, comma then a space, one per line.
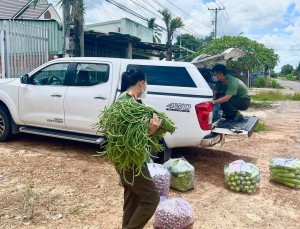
126, 96
232, 86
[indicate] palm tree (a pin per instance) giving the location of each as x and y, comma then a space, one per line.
151, 23
74, 10
172, 25
156, 31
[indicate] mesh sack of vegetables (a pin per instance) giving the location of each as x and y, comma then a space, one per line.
286, 171
174, 214
182, 174
125, 125
242, 176
161, 178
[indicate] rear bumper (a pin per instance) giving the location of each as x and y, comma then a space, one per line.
211, 140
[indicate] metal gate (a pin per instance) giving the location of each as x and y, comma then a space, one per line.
23, 48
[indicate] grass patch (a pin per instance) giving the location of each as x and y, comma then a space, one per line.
295, 97
260, 104
265, 82
261, 127
275, 96
75, 210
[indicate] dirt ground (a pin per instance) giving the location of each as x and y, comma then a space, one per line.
51, 183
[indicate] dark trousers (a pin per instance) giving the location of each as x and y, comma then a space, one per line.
140, 199
233, 105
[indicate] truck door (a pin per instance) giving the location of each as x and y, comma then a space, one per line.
88, 96
41, 101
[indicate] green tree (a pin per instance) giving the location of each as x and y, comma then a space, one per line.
172, 25
287, 69
188, 41
257, 56
298, 67
297, 72
192, 43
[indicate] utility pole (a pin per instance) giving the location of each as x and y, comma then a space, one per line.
216, 18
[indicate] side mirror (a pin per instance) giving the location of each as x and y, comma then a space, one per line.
24, 79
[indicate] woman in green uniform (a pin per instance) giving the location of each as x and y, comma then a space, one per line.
140, 199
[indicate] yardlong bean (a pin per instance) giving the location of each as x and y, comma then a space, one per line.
125, 124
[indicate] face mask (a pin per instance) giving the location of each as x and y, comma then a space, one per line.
214, 78
143, 94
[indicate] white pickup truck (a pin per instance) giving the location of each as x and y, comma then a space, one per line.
64, 97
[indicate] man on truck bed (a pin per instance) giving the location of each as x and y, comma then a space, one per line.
231, 93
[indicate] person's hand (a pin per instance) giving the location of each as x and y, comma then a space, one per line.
154, 124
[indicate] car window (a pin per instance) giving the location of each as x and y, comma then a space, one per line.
54, 74
88, 74
166, 76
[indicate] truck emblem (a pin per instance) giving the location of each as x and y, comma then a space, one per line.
180, 107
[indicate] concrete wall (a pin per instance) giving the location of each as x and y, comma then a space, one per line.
124, 26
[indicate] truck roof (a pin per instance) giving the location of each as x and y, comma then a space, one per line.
128, 61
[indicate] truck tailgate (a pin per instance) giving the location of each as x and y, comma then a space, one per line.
245, 127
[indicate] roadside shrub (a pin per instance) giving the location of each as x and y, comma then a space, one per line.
289, 77
260, 82
275, 84
263, 82
295, 97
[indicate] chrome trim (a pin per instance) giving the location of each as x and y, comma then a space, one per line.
209, 142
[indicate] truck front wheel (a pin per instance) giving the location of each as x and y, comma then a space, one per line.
5, 124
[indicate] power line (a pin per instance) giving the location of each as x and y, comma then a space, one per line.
144, 8
230, 24
189, 30
103, 9
140, 9
151, 5
204, 4
186, 13
127, 9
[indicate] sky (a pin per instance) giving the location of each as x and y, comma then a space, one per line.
275, 23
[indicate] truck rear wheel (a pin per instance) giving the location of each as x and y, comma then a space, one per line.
5, 124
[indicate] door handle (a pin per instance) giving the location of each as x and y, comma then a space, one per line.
56, 95
100, 97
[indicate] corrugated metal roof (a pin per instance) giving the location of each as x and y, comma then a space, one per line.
11, 8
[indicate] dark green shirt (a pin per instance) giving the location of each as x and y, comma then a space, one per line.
126, 96
232, 86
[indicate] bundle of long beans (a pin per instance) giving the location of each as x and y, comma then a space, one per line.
286, 171
125, 124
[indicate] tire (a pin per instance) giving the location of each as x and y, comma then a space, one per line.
5, 124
